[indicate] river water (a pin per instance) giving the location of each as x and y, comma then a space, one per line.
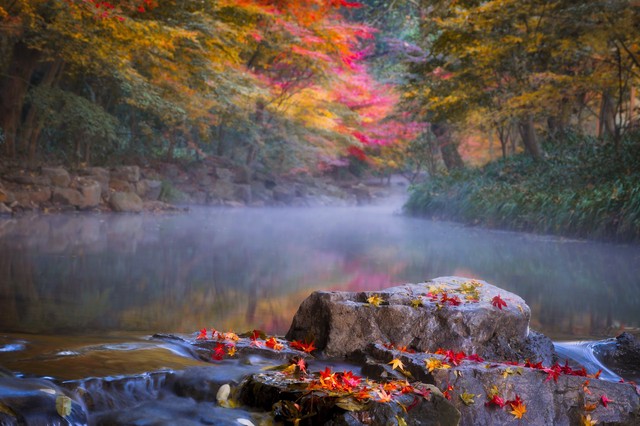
77, 281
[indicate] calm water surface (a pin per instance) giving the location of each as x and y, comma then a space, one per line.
104, 275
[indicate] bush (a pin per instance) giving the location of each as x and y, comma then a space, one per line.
584, 188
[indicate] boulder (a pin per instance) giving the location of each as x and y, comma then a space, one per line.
222, 190
622, 355
552, 394
452, 312
6, 196
120, 185
289, 399
67, 197
243, 193
225, 175
284, 194
149, 189
33, 196
126, 173
26, 178
100, 175
37, 402
362, 194
91, 192
4, 209
126, 202
57, 175
242, 175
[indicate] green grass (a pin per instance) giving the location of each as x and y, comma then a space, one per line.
583, 188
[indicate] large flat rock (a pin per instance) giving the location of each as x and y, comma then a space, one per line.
448, 312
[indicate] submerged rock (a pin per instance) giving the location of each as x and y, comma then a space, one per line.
37, 402
448, 312
622, 355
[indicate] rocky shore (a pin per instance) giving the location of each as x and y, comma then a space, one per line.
445, 352
212, 181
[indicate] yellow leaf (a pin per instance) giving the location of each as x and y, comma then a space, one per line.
467, 398
518, 410
63, 405
416, 303
375, 300
396, 363
587, 420
507, 372
401, 421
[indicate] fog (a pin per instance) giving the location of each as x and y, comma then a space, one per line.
250, 268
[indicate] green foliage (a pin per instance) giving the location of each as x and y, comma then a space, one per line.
584, 189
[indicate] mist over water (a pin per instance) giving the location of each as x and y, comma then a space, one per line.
250, 268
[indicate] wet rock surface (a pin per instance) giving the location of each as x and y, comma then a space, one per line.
622, 355
450, 312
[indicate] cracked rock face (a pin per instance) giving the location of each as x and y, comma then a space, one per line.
449, 312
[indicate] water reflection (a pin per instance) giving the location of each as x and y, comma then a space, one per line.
245, 269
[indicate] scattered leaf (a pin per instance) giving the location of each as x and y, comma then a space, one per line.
374, 300
467, 398
498, 302
396, 363
605, 401
63, 405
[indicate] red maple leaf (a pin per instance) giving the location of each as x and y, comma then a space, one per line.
305, 347
495, 401
455, 358
605, 401
202, 335
218, 352
552, 373
498, 302
475, 357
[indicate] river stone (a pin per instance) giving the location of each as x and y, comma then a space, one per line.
91, 192
66, 196
4, 209
126, 173
33, 402
622, 355
120, 185
6, 196
225, 175
149, 189
548, 402
58, 176
126, 202
268, 391
24, 178
243, 193
100, 175
343, 322
33, 196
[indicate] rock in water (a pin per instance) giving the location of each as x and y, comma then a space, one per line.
449, 312
126, 202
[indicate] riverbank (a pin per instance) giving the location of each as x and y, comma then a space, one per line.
164, 186
583, 188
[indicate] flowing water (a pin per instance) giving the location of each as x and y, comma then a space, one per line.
79, 293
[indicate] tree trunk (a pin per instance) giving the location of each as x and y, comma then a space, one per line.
606, 118
448, 148
13, 89
33, 123
530, 139
172, 143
